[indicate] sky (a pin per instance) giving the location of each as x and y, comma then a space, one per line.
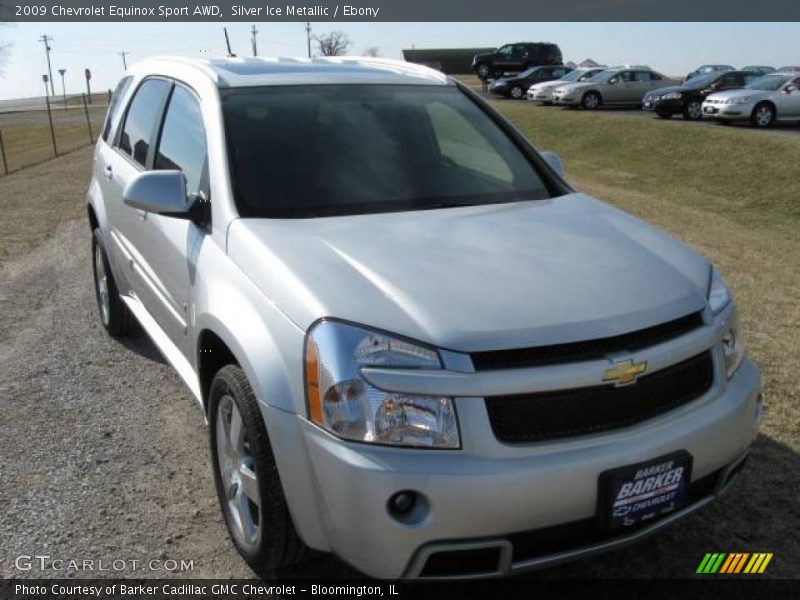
672, 48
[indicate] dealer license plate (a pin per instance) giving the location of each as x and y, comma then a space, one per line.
643, 492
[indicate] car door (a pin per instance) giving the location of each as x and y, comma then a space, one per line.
619, 87
169, 246
504, 58
789, 102
643, 82
128, 156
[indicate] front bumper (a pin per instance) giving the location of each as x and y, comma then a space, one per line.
667, 107
543, 96
727, 112
566, 99
487, 495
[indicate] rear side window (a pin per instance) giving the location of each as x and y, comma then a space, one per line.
183, 141
116, 103
140, 122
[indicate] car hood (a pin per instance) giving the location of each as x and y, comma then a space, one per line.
548, 85
573, 87
728, 94
476, 278
669, 90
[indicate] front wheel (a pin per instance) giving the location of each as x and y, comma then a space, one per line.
763, 115
693, 110
115, 316
591, 101
484, 72
517, 92
246, 477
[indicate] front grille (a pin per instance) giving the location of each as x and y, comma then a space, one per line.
565, 413
586, 350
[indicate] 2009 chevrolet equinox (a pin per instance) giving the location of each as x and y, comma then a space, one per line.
415, 345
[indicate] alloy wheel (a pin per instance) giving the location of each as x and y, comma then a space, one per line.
694, 110
763, 116
237, 473
101, 282
516, 92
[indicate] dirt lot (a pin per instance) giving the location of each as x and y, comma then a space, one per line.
104, 454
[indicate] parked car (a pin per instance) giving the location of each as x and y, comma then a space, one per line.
616, 86
515, 58
759, 69
516, 85
772, 97
703, 69
367, 393
543, 92
687, 98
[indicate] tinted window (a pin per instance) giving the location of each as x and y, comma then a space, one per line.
116, 103
183, 142
730, 80
642, 76
140, 121
626, 76
301, 151
505, 50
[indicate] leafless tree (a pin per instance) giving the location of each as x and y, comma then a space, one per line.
373, 51
334, 43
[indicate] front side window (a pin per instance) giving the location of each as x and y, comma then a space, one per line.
506, 50
182, 145
140, 122
299, 151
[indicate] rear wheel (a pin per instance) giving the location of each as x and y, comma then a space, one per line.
763, 115
246, 477
591, 101
693, 110
484, 72
114, 314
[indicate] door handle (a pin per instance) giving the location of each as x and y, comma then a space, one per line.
109, 172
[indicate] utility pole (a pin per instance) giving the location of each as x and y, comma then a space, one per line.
228, 43
308, 37
254, 33
45, 39
45, 78
63, 86
123, 54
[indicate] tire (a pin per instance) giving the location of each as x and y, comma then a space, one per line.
115, 316
483, 71
517, 93
693, 110
256, 514
591, 101
763, 115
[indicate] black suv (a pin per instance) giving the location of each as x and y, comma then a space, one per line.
513, 58
687, 99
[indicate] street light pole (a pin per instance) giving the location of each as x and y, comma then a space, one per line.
63, 86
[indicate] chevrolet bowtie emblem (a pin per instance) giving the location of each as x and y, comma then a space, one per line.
625, 372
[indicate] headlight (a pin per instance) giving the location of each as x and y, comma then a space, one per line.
718, 294
732, 347
343, 403
672, 96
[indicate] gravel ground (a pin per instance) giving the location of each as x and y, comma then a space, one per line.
103, 453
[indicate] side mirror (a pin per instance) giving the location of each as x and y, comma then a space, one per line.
163, 193
613, 81
554, 160
790, 88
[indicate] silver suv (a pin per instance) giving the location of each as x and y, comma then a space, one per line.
414, 344
616, 86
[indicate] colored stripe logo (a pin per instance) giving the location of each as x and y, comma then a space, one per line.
734, 563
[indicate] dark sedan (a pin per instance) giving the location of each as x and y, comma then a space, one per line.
516, 86
687, 99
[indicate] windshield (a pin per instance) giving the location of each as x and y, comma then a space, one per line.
768, 82
528, 73
302, 151
701, 81
577, 75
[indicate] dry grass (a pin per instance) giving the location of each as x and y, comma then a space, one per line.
27, 139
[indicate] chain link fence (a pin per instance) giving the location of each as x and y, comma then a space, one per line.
34, 130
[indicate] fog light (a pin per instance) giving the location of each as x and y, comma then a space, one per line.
402, 503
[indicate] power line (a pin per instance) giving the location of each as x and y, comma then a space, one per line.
45, 39
254, 33
123, 54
